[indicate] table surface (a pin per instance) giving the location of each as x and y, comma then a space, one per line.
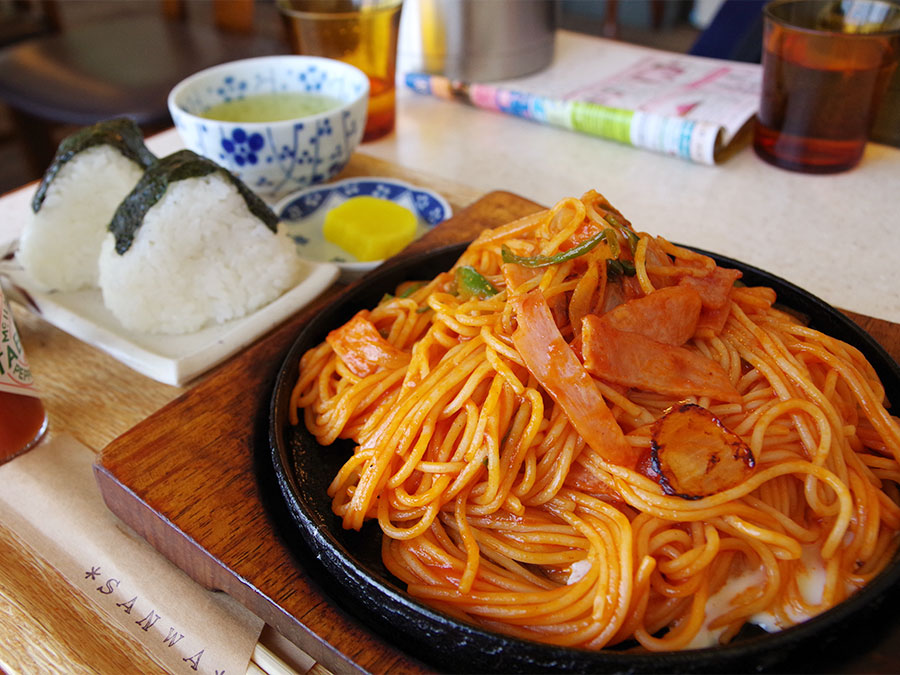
832, 235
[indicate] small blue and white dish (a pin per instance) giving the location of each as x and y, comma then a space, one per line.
274, 158
303, 215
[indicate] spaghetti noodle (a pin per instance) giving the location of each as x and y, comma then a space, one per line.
584, 435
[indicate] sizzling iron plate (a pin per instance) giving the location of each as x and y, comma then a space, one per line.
348, 564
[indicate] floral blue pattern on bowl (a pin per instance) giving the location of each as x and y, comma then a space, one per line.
303, 215
274, 158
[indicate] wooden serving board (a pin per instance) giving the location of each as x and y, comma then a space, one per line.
184, 479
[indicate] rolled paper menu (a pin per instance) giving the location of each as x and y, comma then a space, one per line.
23, 419
690, 139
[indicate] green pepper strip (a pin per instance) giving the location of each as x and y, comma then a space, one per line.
411, 289
472, 283
629, 234
620, 267
405, 294
608, 235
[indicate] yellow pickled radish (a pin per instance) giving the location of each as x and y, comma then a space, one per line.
370, 228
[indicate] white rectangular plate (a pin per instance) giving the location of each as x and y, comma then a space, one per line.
172, 359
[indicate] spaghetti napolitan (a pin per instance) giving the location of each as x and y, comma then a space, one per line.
583, 435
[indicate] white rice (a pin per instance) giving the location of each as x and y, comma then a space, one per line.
60, 244
199, 257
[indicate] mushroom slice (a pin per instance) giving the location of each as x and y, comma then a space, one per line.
695, 455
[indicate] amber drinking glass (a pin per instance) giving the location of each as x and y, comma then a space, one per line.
826, 65
362, 33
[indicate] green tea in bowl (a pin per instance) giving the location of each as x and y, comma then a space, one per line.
283, 105
278, 123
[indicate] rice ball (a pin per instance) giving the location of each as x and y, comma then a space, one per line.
199, 256
60, 245
92, 172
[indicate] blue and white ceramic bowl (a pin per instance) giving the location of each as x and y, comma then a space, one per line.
303, 215
274, 158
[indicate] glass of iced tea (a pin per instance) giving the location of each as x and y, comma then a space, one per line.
362, 33
826, 66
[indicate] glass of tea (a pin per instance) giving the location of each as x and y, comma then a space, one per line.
826, 67
23, 419
362, 33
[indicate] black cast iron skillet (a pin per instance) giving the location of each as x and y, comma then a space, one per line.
348, 565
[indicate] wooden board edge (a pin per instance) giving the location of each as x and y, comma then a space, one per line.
191, 558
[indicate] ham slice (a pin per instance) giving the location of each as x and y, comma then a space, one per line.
516, 275
712, 321
634, 360
585, 480
554, 365
362, 348
715, 288
667, 315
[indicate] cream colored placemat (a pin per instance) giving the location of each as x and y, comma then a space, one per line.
49, 498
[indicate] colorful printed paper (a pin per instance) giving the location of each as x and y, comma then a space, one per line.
668, 103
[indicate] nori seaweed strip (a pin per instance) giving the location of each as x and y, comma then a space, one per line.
121, 133
156, 180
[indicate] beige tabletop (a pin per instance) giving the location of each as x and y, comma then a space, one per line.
833, 235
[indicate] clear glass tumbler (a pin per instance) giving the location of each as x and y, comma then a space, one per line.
826, 66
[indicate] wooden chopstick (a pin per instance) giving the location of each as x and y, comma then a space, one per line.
265, 662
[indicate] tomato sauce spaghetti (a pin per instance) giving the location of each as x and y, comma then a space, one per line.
584, 435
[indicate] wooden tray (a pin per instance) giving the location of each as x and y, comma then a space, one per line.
184, 479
